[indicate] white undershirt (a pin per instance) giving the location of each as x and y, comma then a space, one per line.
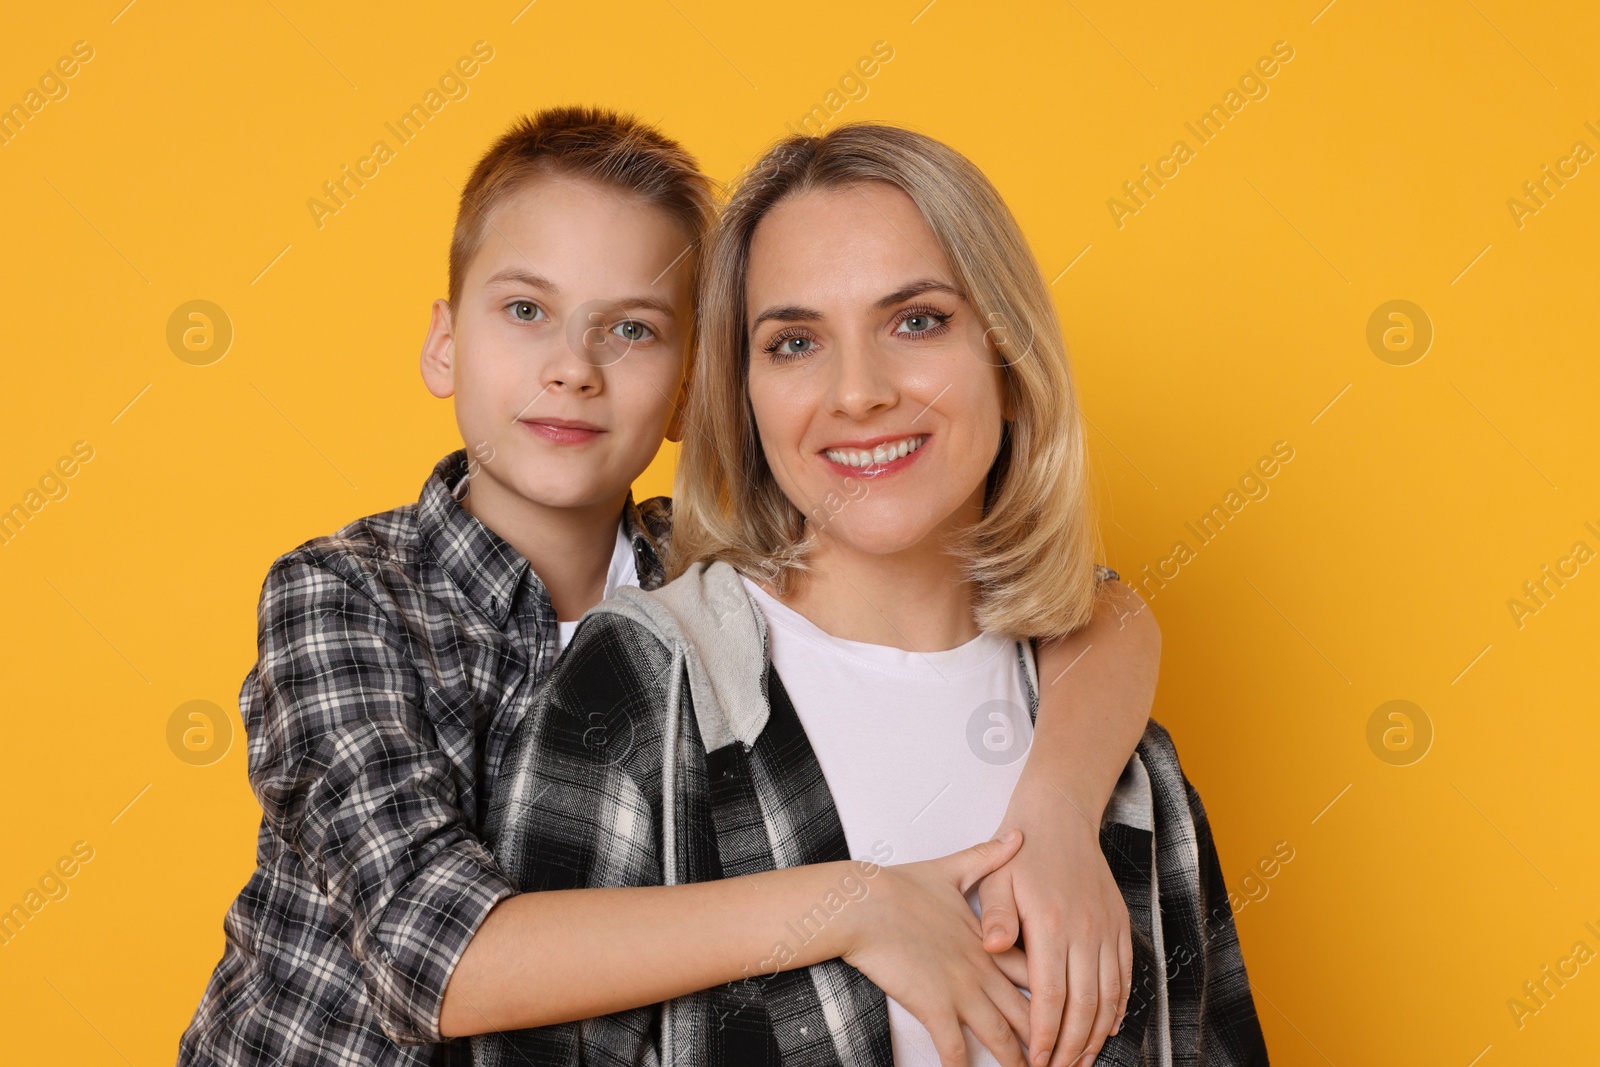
921, 751
623, 571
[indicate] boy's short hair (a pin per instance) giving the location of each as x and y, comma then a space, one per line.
583, 142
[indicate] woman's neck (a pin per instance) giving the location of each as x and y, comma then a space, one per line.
917, 600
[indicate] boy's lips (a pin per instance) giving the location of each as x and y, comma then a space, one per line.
563, 431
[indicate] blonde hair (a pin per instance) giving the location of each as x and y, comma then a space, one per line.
1031, 556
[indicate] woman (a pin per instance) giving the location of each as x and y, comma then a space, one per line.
882, 481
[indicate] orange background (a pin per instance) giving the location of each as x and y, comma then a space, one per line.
1228, 313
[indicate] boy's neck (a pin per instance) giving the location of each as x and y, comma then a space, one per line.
570, 548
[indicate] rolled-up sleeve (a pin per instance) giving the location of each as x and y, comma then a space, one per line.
351, 775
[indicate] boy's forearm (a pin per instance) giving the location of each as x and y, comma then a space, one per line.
552, 957
1096, 687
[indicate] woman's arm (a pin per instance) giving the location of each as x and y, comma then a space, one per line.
1096, 687
549, 957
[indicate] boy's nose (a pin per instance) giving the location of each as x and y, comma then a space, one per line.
576, 364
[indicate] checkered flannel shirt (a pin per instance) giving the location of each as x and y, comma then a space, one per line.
580, 805
397, 657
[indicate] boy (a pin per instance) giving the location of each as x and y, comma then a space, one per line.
398, 655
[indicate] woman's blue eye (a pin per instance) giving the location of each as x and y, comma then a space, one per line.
633, 330
527, 311
794, 346
917, 323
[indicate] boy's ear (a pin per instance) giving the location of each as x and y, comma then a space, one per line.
439, 352
675, 424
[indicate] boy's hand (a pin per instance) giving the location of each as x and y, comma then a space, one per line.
916, 938
1096, 688
1075, 927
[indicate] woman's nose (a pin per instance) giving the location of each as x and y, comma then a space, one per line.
862, 380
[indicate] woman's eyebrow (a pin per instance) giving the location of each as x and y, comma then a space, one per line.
927, 285
788, 313
796, 313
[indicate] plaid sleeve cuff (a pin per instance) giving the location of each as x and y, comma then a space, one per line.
423, 933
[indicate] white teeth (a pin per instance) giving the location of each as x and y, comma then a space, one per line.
880, 454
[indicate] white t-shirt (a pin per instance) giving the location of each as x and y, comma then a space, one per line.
623, 571
921, 751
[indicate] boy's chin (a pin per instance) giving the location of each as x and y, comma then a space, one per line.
572, 493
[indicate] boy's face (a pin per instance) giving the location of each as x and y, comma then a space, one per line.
566, 356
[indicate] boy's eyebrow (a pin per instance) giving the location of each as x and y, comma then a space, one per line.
649, 303
535, 281
796, 313
524, 277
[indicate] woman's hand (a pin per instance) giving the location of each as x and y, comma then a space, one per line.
916, 937
1074, 925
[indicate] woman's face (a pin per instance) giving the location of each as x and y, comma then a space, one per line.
877, 399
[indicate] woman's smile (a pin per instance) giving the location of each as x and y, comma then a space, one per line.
877, 457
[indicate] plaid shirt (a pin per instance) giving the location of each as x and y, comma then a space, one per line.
619, 778
397, 658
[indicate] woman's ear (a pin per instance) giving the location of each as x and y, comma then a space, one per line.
439, 352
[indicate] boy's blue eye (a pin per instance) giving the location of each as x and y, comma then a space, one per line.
633, 330
526, 311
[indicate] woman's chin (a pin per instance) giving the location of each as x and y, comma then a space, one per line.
889, 537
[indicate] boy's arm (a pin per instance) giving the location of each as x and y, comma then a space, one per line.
1096, 687
558, 955
579, 818
350, 774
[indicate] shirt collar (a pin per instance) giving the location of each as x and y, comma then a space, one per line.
485, 567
